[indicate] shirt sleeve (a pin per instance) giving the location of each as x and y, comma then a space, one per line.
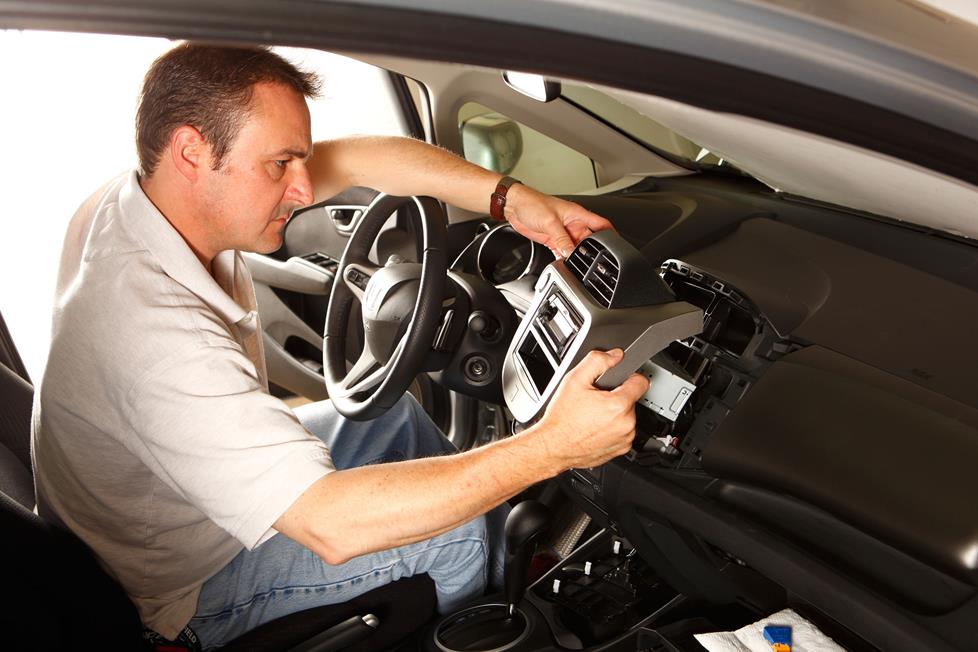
204, 424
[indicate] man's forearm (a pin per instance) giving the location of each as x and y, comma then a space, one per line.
361, 510
405, 166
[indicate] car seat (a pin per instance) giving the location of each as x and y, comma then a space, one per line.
59, 597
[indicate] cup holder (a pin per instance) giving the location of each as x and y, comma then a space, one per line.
484, 628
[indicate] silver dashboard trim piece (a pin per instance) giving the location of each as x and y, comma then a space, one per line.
641, 332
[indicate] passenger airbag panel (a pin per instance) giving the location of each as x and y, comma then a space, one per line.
875, 451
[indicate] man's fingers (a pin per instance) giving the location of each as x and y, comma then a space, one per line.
578, 231
596, 363
560, 241
633, 387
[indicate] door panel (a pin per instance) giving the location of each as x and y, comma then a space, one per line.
299, 374
295, 274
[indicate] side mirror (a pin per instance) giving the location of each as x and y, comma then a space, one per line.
492, 141
535, 86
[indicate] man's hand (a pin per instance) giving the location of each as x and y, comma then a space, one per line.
553, 222
584, 426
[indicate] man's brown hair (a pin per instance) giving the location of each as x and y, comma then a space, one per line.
209, 88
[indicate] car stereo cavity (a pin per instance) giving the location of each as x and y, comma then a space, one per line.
536, 363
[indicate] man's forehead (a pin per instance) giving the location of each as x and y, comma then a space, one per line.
279, 117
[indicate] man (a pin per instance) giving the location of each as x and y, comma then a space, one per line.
155, 438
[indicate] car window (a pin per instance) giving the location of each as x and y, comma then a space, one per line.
496, 141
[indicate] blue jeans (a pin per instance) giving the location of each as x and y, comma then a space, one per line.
280, 576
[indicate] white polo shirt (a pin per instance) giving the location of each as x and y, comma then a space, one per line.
154, 437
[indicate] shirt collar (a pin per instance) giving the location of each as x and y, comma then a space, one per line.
148, 225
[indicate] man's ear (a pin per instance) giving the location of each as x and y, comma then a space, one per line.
188, 151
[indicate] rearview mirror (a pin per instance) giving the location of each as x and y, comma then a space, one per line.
492, 141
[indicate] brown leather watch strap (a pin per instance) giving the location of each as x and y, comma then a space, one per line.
497, 201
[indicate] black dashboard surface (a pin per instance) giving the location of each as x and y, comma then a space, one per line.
886, 314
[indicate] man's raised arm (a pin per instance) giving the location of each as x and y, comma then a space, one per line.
405, 166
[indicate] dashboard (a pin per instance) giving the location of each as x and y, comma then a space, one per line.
813, 355
503, 256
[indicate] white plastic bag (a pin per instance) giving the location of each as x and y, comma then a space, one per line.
805, 637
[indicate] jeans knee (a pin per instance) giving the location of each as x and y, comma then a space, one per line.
460, 569
462, 547
472, 544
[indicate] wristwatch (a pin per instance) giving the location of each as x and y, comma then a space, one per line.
497, 200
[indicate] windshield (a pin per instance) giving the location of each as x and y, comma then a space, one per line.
644, 130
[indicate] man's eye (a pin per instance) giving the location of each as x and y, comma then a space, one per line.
282, 163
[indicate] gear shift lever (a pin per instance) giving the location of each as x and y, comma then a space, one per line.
524, 525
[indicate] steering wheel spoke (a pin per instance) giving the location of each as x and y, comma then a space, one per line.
366, 373
357, 275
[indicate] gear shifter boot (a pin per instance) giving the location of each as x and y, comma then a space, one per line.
524, 525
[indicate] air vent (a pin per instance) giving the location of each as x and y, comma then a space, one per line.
602, 281
582, 257
597, 269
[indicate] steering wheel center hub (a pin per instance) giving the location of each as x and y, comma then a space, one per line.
388, 304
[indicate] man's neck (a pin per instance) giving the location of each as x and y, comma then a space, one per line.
179, 215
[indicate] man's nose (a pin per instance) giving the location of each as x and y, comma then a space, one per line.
300, 184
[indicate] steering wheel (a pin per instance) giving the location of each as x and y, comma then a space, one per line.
401, 305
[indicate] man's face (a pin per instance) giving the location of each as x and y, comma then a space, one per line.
263, 177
